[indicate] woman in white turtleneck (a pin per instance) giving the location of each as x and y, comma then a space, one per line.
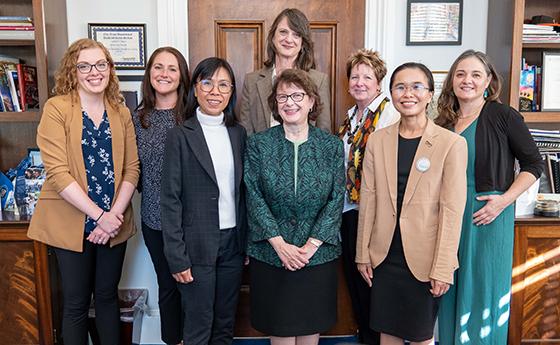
203, 207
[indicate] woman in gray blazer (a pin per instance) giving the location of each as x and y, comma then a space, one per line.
289, 46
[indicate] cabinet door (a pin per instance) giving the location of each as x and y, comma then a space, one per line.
536, 285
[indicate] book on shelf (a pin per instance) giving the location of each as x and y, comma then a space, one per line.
16, 28
17, 34
527, 88
18, 85
5, 93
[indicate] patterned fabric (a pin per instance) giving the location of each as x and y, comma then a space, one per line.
98, 159
274, 206
151, 142
358, 148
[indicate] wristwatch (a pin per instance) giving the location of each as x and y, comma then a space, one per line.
315, 242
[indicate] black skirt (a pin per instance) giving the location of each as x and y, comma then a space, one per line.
287, 304
401, 305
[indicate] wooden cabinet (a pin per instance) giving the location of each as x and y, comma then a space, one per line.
25, 298
506, 48
18, 129
535, 304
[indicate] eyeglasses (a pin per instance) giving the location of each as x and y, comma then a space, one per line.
296, 97
207, 85
85, 67
415, 89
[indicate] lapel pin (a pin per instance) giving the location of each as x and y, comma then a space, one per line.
422, 164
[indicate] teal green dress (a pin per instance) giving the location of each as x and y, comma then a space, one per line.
475, 310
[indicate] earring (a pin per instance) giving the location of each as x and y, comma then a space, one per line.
486, 93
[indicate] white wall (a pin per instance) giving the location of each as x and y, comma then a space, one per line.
386, 31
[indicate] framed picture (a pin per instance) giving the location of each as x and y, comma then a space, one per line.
126, 43
434, 22
439, 78
550, 81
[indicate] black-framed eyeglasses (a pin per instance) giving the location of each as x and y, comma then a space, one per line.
296, 97
85, 67
207, 85
415, 89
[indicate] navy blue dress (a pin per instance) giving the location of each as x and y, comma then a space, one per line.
98, 159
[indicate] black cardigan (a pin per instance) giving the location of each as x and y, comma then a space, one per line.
502, 137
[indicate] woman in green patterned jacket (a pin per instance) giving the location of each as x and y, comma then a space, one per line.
294, 175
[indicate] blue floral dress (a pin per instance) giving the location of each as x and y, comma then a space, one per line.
98, 160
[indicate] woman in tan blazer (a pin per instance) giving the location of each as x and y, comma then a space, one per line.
88, 146
412, 200
289, 46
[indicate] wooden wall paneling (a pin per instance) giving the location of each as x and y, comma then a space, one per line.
240, 41
535, 306
18, 304
324, 36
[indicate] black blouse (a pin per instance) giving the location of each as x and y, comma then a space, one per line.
502, 137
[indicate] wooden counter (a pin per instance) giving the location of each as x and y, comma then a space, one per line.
535, 304
25, 298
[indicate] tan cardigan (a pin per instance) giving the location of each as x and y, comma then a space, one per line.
59, 135
433, 203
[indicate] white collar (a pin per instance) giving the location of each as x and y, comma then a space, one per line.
372, 106
209, 120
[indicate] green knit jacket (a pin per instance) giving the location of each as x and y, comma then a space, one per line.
276, 209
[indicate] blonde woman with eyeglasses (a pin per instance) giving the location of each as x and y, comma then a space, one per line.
88, 146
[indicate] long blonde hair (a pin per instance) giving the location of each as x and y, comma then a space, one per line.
448, 104
66, 80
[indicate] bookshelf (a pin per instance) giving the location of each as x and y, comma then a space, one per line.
27, 305
18, 129
506, 48
532, 304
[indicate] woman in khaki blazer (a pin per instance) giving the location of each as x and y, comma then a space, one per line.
88, 146
289, 46
412, 200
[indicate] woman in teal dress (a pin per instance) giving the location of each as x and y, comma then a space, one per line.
475, 310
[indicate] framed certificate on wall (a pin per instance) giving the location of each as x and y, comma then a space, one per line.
125, 42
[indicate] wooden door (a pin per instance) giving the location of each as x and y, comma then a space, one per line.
236, 30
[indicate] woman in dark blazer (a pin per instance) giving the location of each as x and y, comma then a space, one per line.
289, 45
477, 307
202, 205
294, 175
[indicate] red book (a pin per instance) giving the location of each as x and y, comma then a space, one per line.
29, 90
17, 28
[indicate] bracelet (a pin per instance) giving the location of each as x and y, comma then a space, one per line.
101, 215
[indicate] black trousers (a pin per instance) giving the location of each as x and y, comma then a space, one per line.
359, 291
169, 297
210, 301
97, 269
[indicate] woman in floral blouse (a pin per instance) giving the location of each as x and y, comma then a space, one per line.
88, 147
294, 175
